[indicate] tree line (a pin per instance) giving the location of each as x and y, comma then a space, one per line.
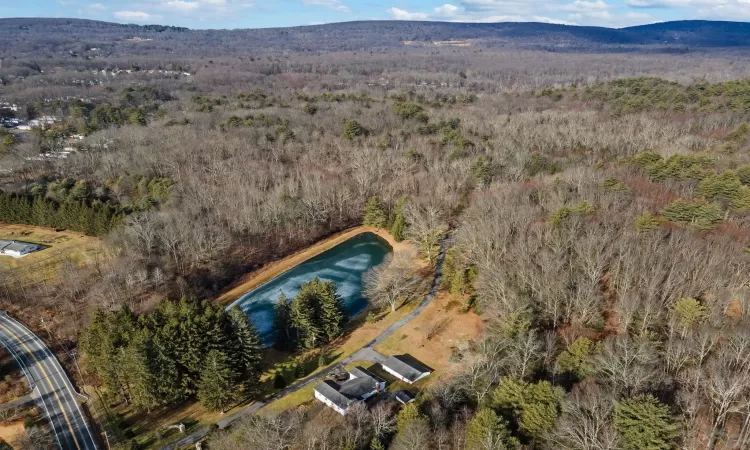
92, 218
180, 350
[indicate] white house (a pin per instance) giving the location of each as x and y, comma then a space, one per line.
17, 249
362, 384
405, 368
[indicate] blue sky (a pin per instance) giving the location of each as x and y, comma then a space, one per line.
272, 13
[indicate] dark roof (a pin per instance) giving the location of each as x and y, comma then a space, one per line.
342, 394
405, 396
361, 372
330, 390
357, 387
407, 368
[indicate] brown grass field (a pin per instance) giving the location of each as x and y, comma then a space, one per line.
457, 330
63, 247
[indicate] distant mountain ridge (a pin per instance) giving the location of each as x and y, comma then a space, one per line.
29, 35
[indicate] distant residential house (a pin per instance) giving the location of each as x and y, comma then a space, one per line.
362, 384
17, 249
405, 368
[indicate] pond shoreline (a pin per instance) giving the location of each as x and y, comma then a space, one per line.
256, 278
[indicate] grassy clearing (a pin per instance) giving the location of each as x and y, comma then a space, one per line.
451, 330
64, 248
296, 398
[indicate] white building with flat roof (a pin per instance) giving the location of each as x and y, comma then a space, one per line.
17, 249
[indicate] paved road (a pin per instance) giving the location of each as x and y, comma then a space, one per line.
49, 383
366, 353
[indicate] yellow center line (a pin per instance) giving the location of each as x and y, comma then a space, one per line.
46, 375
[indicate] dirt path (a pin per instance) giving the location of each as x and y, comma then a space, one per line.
254, 279
366, 353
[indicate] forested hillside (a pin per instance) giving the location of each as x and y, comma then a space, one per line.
598, 206
76, 38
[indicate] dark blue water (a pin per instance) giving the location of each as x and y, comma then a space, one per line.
343, 264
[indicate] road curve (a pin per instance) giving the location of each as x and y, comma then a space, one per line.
50, 384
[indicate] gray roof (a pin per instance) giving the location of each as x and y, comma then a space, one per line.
330, 390
407, 368
357, 388
342, 394
361, 372
16, 246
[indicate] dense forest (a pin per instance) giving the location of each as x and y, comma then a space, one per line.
598, 206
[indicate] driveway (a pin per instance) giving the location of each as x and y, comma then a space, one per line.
366, 353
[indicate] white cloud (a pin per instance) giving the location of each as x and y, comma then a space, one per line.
400, 14
181, 6
335, 5
97, 6
447, 10
133, 16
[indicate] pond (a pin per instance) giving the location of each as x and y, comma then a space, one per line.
343, 264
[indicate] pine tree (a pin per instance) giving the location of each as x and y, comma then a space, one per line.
645, 424
216, 385
375, 214
306, 315
279, 382
408, 414
398, 227
533, 405
332, 315
488, 431
352, 129
249, 348
282, 324
137, 371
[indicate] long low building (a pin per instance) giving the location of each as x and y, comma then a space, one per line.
17, 249
405, 368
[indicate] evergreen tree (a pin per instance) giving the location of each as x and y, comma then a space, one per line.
408, 415
305, 317
375, 213
376, 444
317, 313
249, 349
488, 431
215, 388
398, 225
575, 359
282, 324
279, 382
534, 406
137, 371
332, 315
352, 129
645, 424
